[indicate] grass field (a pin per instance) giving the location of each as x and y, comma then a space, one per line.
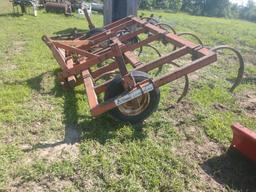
49, 142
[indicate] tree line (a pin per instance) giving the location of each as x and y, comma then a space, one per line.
211, 8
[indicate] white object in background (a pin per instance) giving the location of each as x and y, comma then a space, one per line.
80, 12
89, 9
35, 10
88, 6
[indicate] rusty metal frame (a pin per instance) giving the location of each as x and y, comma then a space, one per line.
80, 59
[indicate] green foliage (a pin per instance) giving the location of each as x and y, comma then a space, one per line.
175, 5
248, 12
195, 7
212, 8
216, 8
146, 4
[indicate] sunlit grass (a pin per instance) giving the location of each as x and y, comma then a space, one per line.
34, 110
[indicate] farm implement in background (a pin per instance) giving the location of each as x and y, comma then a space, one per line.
24, 6
100, 58
244, 140
59, 7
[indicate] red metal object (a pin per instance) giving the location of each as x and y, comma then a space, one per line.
245, 141
81, 59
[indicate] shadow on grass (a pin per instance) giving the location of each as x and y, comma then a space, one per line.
80, 127
246, 80
69, 34
249, 80
11, 14
70, 31
232, 170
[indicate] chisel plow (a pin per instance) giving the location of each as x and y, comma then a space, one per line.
106, 62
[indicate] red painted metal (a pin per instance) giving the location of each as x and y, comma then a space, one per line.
244, 140
81, 59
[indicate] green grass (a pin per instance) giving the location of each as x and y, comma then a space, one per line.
47, 134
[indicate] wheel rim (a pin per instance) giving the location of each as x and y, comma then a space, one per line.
136, 106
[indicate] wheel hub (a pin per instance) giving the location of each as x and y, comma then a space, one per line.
136, 106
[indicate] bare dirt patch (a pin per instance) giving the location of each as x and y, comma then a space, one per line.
49, 152
220, 107
16, 48
181, 112
45, 184
68, 148
53, 152
196, 148
214, 166
247, 101
65, 149
181, 107
250, 57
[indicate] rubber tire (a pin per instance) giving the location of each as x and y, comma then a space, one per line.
115, 89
